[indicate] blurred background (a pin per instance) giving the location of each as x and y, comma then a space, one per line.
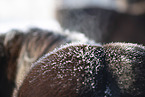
23, 14
101, 20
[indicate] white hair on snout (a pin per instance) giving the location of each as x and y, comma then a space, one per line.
67, 45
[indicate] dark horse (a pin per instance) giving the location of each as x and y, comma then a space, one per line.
30, 67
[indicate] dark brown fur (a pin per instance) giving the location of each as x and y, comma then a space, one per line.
18, 50
66, 74
126, 64
10, 49
124, 73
